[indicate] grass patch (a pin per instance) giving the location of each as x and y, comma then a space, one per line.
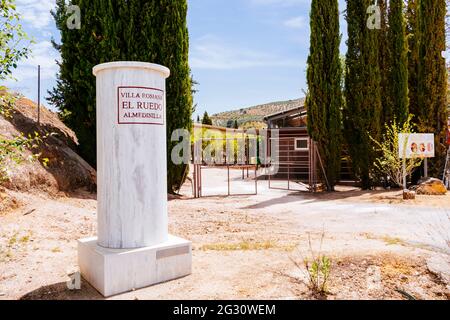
12, 240
25, 239
390, 241
13, 244
393, 241
248, 246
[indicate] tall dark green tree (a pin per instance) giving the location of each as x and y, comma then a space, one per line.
398, 64
432, 81
413, 33
362, 111
74, 93
118, 30
324, 76
384, 61
206, 119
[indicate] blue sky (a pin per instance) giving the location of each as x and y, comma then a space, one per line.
242, 52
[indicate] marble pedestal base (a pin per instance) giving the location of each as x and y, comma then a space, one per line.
114, 271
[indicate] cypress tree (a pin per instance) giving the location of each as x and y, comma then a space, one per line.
324, 75
74, 93
133, 30
206, 119
384, 62
362, 112
412, 30
432, 81
172, 38
398, 63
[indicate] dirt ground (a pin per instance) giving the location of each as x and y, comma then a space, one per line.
244, 246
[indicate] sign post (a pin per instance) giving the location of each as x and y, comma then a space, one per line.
405, 185
415, 145
133, 248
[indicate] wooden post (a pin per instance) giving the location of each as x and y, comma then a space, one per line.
256, 179
228, 174
404, 174
289, 166
39, 96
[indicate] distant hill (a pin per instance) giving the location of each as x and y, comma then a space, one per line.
254, 116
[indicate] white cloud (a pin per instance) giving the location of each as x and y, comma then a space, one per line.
36, 13
296, 23
210, 52
44, 55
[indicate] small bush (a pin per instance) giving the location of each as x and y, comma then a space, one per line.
389, 165
318, 269
12, 150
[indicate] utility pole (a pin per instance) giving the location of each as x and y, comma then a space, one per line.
39, 96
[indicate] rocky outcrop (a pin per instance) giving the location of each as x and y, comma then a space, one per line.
65, 171
439, 265
430, 186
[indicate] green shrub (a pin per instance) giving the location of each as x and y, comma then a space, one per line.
389, 164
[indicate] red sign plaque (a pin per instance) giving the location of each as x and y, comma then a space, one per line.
140, 105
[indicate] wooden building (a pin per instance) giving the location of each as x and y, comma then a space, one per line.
293, 118
297, 158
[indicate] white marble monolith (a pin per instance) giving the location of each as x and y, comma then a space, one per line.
133, 248
131, 156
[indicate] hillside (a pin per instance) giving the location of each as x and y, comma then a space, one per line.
65, 171
255, 114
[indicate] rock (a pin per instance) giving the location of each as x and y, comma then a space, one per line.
65, 170
409, 195
431, 186
439, 265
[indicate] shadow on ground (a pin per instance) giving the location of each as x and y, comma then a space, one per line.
306, 197
59, 291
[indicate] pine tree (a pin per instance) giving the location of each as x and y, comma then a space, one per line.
432, 80
133, 30
398, 64
324, 99
362, 112
235, 125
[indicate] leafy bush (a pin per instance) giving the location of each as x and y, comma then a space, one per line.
389, 164
12, 152
14, 46
318, 272
14, 42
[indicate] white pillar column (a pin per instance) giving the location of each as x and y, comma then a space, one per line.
131, 154
133, 249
